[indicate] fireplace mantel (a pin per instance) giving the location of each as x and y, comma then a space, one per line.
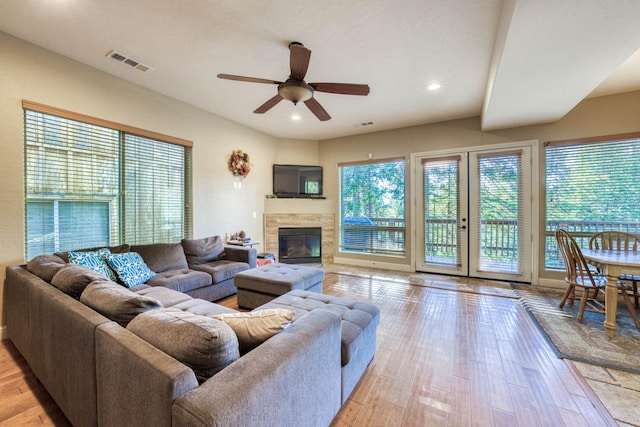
273, 221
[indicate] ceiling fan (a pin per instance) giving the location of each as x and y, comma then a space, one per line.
295, 89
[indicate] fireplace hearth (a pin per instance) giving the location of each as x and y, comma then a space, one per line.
297, 245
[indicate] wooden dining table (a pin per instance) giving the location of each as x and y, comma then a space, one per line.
612, 263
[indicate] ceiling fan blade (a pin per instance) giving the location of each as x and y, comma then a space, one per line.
247, 79
299, 60
317, 109
341, 88
268, 105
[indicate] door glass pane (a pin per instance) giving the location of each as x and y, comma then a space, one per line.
499, 192
441, 210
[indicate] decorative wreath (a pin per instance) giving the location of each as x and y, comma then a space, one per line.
239, 163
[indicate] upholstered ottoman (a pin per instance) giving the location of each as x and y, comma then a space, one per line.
260, 285
359, 324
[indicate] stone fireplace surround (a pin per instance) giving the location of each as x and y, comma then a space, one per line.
273, 221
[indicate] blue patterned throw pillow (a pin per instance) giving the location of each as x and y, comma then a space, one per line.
130, 268
95, 260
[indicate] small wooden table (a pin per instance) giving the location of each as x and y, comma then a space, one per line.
613, 264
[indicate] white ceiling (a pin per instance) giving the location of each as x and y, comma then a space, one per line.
514, 62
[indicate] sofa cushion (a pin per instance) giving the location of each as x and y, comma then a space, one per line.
117, 302
359, 319
203, 307
95, 260
168, 297
199, 251
161, 257
204, 344
130, 268
256, 327
72, 279
183, 280
221, 270
113, 249
45, 266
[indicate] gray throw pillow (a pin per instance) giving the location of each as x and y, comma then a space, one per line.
202, 343
72, 279
200, 251
45, 266
117, 302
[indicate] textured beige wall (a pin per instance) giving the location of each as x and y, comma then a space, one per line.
32, 73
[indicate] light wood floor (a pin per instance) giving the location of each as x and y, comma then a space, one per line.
454, 352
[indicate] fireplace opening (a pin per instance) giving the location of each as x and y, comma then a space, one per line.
300, 245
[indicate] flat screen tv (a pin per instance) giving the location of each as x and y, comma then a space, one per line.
297, 181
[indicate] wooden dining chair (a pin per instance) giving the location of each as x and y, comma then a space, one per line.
579, 275
620, 241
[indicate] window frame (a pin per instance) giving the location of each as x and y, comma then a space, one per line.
361, 230
117, 141
582, 230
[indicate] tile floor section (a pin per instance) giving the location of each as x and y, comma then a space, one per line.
619, 391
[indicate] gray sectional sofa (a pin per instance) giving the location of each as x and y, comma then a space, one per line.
202, 268
153, 355
102, 374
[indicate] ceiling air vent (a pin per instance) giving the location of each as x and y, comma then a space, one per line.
366, 124
127, 61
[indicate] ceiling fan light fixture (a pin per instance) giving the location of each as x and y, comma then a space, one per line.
295, 91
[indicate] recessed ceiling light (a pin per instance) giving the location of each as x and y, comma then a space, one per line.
433, 86
295, 116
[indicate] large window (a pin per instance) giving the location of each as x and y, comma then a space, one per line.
90, 182
372, 207
591, 185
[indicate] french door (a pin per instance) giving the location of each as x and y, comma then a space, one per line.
474, 213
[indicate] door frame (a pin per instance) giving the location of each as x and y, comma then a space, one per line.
536, 184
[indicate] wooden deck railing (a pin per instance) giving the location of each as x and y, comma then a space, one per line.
498, 238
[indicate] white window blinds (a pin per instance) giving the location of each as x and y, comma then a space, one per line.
498, 205
155, 196
591, 186
75, 174
441, 210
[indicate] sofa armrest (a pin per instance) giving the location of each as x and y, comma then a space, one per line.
56, 335
291, 379
136, 382
242, 254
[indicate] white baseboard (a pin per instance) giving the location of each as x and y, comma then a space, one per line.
373, 264
558, 284
3, 333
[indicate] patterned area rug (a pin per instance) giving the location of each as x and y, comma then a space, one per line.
585, 342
